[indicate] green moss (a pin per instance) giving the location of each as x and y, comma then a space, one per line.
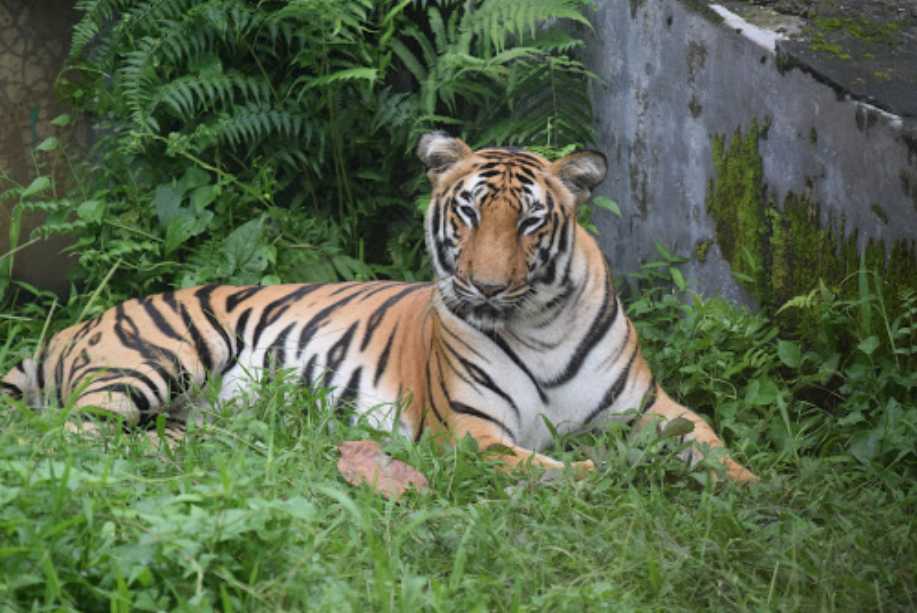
778, 252
735, 200
879, 212
701, 249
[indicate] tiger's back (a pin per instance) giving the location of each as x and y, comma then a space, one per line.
360, 340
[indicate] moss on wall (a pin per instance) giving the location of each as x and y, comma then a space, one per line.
778, 252
736, 202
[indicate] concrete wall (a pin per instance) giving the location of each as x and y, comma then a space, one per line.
34, 40
675, 77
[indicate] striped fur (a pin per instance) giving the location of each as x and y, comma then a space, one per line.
521, 326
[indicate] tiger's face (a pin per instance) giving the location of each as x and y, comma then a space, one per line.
501, 226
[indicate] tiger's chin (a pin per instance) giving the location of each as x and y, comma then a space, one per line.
483, 315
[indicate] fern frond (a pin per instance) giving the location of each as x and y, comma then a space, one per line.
499, 20
96, 15
247, 125
193, 94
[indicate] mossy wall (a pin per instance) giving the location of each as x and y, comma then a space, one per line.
765, 176
781, 250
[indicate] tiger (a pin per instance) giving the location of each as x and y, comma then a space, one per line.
519, 337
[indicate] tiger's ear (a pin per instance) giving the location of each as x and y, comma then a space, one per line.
581, 172
439, 151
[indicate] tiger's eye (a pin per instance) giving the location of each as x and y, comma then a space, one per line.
529, 224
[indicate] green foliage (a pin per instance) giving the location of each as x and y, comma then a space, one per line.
249, 513
297, 118
846, 388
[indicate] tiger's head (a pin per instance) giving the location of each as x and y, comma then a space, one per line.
501, 226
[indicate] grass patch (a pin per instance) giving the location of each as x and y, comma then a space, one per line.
248, 513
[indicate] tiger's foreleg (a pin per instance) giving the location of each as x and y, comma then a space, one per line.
664, 410
510, 455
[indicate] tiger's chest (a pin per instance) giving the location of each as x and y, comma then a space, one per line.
569, 378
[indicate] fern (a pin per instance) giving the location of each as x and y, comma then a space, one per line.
306, 107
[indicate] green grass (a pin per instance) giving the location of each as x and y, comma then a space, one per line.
249, 513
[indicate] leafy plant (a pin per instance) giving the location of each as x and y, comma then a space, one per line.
846, 385
214, 114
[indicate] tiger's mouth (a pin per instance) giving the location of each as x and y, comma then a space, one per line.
486, 313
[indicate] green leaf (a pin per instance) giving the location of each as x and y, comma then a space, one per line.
62, 121
185, 226
37, 186
762, 392
245, 249
608, 204
49, 144
868, 345
676, 427
678, 279
167, 203
193, 177
789, 353
202, 196
91, 211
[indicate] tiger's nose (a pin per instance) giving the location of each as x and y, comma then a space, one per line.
489, 289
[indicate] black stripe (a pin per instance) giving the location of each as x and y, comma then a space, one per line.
141, 402
59, 379
233, 300
504, 346
616, 388
40, 368
563, 238
464, 409
200, 344
240, 340
604, 319
376, 318
278, 349
19, 367
482, 378
309, 330
310, 369
203, 300
278, 307
382, 286
158, 320
349, 395
169, 299
117, 373
81, 361
150, 351
382, 363
440, 356
337, 353
432, 403
174, 385
12, 390
420, 428
343, 288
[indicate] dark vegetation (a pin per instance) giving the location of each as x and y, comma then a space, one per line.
270, 141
